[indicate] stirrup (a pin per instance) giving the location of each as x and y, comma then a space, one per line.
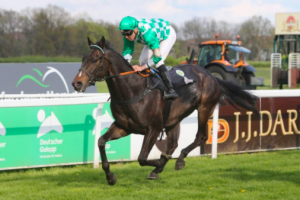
170, 96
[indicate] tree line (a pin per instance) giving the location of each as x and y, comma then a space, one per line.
51, 31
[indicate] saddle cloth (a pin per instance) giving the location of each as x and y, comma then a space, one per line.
179, 76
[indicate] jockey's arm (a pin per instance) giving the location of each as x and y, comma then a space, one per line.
128, 49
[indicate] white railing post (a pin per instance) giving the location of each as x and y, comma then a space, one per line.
275, 66
215, 132
294, 61
97, 135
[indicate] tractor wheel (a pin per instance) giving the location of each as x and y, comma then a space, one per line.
247, 77
221, 74
240, 80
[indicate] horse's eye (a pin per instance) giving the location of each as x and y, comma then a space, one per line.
95, 60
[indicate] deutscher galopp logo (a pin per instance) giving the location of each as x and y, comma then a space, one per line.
50, 123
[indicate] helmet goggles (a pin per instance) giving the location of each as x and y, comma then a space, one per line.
127, 32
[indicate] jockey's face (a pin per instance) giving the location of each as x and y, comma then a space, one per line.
132, 36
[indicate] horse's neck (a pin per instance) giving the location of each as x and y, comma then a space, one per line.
127, 86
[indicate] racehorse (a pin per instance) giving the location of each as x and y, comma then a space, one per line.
136, 109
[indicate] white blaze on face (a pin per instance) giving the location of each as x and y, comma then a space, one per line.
80, 74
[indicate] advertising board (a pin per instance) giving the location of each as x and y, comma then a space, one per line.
39, 78
54, 135
241, 130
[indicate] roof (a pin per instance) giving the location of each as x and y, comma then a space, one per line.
220, 42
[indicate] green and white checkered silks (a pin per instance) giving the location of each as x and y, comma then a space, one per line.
150, 32
159, 26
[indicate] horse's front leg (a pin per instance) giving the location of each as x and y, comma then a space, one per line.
113, 133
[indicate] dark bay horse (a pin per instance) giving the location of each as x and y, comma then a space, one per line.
145, 116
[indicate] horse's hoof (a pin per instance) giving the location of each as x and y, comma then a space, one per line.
179, 165
111, 179
152, 176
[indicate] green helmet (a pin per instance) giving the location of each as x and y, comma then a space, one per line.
128, 23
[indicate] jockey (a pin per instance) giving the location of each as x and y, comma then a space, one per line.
158, 37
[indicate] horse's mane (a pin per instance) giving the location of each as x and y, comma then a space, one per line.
109, 47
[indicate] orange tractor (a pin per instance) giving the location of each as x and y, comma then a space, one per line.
224, 59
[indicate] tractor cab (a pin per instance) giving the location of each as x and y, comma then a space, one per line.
226, 52
236, 55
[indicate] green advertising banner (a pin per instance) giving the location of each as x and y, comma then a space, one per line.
33, 136
52, 135
118, 149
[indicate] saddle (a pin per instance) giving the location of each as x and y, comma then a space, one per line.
179, 77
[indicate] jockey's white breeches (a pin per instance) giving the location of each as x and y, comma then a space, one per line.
165, 47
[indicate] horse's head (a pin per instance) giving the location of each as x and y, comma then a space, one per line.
93, 68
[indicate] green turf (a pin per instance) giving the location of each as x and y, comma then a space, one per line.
102, 87
266, 73
258, 176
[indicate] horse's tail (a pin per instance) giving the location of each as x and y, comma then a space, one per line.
237, 96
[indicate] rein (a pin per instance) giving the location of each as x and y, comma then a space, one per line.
93, 79
140, 96
121, 74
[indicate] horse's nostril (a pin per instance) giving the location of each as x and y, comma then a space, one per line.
77, 84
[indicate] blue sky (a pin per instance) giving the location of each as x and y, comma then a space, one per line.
176, 11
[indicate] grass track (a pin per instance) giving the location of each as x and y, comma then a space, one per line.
265, 175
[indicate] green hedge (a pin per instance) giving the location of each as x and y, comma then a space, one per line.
39, 59
260, 64
170, 61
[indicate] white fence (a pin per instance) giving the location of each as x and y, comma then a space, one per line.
136, 140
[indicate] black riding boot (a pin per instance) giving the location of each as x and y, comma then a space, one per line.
170, 94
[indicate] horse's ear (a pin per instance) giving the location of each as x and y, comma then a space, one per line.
102, 42
90, 42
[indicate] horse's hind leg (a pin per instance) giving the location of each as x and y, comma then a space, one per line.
148, 143
204, 112
113, 133
172, 143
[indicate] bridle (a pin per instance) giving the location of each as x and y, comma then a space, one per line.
92, 77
